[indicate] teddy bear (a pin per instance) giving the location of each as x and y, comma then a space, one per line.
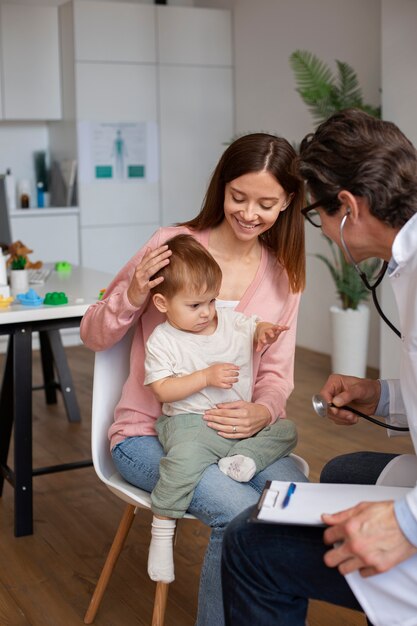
18, 250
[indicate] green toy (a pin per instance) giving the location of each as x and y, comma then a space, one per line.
63, 267
55, 298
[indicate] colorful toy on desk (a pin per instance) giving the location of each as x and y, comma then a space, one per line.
18, 250
4, 302
30, 298
63, 267
55, 298
101, 294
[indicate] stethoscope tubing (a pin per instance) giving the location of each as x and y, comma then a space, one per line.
369, 418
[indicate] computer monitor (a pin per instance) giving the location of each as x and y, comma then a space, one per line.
5, 231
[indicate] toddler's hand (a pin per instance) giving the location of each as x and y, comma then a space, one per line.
222, 375
267, 333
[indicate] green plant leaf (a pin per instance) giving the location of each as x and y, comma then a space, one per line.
348, 283
315, 82
349, 91
323, 92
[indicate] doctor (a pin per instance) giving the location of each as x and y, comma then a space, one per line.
362, 175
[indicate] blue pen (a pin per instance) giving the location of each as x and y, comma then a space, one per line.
290, 491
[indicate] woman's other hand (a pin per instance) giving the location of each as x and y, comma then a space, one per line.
359, 393
238, 420
140, 285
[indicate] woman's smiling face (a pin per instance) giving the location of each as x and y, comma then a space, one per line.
252, 204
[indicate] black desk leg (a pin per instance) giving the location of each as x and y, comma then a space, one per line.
22, 392
64, 376
47, 368
6, 411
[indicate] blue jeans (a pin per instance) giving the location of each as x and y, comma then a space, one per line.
217, 500
356, 467
270, 571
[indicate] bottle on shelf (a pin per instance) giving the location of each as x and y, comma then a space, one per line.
10, 190
40, 195
24, 194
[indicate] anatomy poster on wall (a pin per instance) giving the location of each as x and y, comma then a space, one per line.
117, 151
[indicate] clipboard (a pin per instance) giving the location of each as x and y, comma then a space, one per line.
310, 500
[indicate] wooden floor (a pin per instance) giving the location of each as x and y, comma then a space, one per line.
47, 579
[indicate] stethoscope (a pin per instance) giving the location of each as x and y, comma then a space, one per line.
320, 405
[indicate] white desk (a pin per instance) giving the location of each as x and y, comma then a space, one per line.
82, 287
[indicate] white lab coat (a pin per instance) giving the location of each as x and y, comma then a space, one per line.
390, 599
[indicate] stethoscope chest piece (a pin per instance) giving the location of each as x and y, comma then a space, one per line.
319, 405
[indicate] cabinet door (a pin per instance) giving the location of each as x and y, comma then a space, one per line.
30, 53
196, 103
122, 92
194, 36
116, 32
196, 108
108, 249
51, 237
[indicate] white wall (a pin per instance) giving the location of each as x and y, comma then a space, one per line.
266, 32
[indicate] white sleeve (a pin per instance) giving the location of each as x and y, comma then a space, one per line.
158, 361
397, 415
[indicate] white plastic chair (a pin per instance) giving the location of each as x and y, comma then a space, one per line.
111, 369
401, 471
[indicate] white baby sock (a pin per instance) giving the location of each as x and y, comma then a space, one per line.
161, 554
239, 467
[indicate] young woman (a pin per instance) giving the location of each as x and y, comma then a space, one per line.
251, 223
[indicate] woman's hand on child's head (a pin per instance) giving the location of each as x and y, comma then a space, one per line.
223, 375
267, 333
152, 261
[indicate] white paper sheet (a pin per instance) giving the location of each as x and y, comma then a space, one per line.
311, 500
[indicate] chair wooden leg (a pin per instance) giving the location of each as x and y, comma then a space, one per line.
161, 596
113, 555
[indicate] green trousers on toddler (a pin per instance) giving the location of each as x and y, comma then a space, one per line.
191, 446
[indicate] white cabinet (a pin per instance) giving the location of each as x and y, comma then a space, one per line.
52, 234
114, 32
189, 36
196, 116
167, 70
29, 40
196, 103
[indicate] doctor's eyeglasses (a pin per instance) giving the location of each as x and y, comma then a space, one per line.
312, 215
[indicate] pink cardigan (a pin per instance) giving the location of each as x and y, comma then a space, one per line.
107, 321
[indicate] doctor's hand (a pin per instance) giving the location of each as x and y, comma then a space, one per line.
359, 393
367, 538
140, 285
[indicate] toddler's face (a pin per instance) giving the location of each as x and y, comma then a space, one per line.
194, 313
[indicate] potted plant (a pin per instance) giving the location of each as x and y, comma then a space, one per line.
19, 277
326, 93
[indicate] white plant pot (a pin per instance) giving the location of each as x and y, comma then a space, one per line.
19, 281
350, 335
